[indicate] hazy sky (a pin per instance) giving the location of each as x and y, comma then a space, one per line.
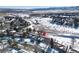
29, 7
37, 3
24, 7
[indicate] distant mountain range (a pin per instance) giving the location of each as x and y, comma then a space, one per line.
59, 8
38, 9
8, 10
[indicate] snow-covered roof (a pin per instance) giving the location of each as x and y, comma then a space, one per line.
14, 51
42, 45
27, 40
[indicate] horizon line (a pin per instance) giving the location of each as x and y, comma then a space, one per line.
31, 7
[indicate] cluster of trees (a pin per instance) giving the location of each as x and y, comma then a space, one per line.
69, 22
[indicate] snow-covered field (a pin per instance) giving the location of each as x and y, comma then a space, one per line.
61, 29
46, 22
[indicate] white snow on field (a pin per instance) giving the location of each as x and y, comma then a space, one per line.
65, 30
46, 22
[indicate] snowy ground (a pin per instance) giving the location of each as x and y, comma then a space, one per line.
60, 30
46, 22
53, 31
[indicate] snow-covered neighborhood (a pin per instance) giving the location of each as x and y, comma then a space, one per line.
39, 31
